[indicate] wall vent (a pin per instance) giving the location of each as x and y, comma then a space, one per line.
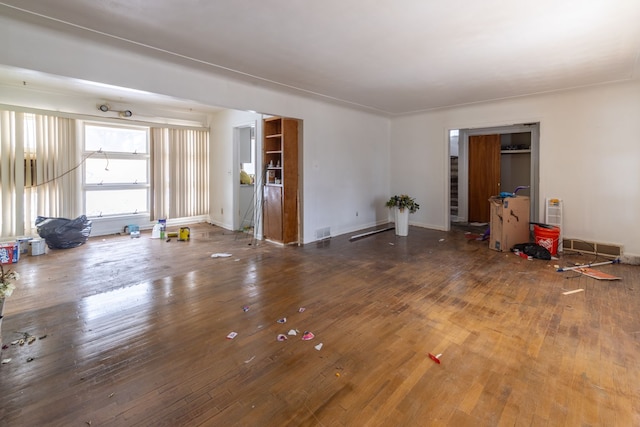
323, 233
582, 246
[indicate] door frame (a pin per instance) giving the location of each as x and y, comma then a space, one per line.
463, 165
236, 174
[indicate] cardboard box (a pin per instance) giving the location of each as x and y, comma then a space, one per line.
9, 253
509, 222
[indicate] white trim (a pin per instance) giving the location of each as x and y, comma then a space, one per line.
463, 165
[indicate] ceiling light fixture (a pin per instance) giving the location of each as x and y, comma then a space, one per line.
105, 107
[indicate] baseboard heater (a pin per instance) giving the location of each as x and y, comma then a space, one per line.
582, 246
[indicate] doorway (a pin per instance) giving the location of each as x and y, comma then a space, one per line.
493, 160
245, 168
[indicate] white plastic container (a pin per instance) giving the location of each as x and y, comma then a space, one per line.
23, 244
155, 234
37, 247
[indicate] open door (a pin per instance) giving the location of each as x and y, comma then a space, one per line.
484, 175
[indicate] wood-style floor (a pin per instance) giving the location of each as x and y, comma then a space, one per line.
136, 335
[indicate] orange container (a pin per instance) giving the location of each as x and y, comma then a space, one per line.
547, 237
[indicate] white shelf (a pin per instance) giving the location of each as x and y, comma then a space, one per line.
514, 151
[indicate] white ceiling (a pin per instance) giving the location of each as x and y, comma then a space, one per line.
390, 56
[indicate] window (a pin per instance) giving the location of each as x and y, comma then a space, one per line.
116, 170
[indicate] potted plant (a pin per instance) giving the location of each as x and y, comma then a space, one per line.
6, 289
403, 205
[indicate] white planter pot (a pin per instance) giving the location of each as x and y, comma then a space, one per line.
402, 222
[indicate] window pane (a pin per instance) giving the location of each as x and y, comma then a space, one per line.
119, 140
115, 171
112, 202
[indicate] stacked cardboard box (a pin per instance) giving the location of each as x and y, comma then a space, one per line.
509, 222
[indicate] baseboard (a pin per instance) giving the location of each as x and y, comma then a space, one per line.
630, 259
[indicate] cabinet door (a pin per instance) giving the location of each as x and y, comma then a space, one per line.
272, 213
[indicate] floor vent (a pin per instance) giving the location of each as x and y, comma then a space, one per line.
323, 233
582, 246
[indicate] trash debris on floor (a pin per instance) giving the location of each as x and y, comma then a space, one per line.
221, 255
588, 271
593, 264
523, 255
575, 291
532, 249
281, 336
370, 233
435, 357
27, 338
63, 233
596, 274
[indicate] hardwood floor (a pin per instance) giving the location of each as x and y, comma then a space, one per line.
136, 335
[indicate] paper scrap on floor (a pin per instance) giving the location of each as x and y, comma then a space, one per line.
220, 255
597, 274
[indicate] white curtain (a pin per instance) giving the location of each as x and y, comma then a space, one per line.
39, 168
180, 173
11, 219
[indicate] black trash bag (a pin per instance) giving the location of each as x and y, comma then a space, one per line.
63, 233
533, 249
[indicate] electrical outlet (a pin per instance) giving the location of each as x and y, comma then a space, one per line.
221, 211
356, 213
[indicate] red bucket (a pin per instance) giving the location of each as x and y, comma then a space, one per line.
547, 237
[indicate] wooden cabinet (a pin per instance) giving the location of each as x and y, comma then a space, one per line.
280, 194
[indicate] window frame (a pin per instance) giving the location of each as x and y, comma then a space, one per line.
115, 155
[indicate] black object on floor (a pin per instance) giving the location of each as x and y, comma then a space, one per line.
533, 249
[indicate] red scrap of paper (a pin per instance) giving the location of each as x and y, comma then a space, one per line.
435, 358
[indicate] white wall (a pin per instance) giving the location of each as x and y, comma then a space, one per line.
589, 157
588, 139
223, 178
344, 168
